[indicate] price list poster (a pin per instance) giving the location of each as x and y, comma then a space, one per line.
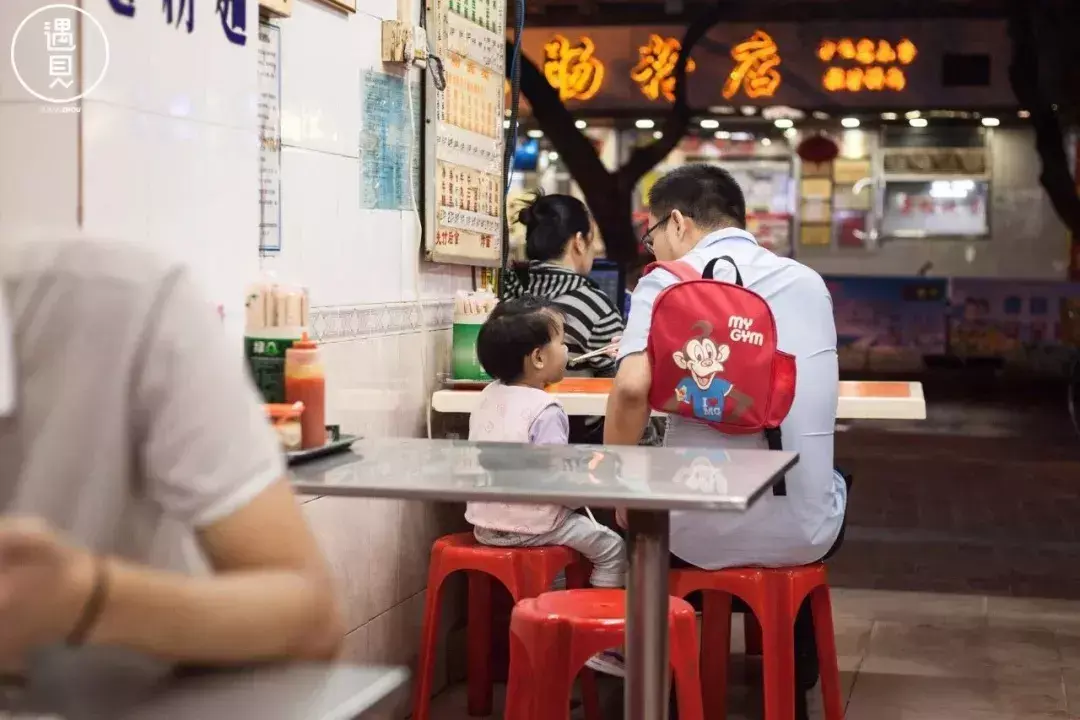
464, 133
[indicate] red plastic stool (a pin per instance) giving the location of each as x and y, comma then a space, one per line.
553, 635
525, 572
774, 596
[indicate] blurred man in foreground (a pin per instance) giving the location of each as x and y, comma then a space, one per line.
133, 451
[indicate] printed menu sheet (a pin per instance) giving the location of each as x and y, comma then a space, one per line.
464, 135
387, 143
269, 107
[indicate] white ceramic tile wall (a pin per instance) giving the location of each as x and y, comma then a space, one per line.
382, 353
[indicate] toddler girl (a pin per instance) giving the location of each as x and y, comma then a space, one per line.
521, 346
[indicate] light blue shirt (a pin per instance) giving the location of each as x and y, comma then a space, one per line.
779, 530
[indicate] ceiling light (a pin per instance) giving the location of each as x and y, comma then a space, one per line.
580, 124
918, 122
722, 110
766, 142
888, 116
990, 122
722, 135
850, 122
536, 134
553, 156
911, 114
791, 133
644, 124
748, 110
821, 115
741, 136
784, 123
1023, 114
657, 135
710, 124
506, 124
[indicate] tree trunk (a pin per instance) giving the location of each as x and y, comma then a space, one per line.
1025, 76
610, 195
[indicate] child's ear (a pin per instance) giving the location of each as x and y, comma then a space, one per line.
537, 359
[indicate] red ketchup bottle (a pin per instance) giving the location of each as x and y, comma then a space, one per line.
305, 381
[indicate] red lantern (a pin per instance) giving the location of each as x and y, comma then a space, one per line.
818, 149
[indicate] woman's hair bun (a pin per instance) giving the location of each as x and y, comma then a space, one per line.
533, 211
526, 217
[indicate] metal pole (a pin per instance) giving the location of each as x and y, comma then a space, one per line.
646, 692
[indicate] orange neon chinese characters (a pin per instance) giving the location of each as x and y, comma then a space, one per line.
756, 59
655, 69
876, 64
573, 70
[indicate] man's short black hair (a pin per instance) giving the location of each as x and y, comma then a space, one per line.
513, 330
706, 193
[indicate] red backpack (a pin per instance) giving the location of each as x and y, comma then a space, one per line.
712, 348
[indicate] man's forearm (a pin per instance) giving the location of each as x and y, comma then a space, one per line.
228, 618
626, 418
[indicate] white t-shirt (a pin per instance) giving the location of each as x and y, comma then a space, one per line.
134, 422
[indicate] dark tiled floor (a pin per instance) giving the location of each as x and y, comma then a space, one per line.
916, 656
981, 497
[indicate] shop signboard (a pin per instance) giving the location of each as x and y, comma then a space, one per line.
899, 64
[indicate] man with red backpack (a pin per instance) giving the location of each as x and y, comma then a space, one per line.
747, 362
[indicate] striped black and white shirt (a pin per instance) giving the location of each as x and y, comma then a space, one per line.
592, 320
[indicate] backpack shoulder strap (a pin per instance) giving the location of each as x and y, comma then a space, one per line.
711, 268
684, 271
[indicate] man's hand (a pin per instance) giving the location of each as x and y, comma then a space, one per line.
44, 584
628, 403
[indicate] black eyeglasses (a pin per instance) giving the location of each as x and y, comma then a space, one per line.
647, 240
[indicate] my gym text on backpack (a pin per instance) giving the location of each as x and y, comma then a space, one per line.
712, 348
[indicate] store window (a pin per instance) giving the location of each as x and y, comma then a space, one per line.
936, 208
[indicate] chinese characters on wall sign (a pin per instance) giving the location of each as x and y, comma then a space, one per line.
655, 69
181, 13
756, 59
573, 70
878, 64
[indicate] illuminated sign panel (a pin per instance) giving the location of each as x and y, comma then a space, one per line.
756, 59
573, 70
655, 69
875, 65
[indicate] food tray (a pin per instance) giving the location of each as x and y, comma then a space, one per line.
336, 442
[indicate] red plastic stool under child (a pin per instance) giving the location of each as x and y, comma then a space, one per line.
774, 596
525, 572
553, 635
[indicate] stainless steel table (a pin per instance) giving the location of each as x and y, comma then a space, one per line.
103, 684
650, 482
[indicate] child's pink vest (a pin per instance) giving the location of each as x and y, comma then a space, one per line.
505, 414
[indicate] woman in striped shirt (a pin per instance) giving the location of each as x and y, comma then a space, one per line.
561, 245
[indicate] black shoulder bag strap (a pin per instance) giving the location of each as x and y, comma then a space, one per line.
773, 436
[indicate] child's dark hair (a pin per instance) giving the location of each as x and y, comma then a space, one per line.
550, 222
513, 330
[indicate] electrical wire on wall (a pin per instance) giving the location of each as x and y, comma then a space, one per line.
511, 133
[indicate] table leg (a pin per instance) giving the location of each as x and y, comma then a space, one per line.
647, 668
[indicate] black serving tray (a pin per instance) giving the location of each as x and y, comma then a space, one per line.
336, 442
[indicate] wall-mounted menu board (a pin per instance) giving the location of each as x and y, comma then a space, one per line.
463, 138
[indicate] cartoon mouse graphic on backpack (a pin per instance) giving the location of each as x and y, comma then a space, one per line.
705, 390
